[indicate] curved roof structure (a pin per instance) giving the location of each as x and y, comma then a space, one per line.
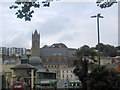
23, 66
35, 60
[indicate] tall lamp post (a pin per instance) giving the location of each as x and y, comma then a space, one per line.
98, 16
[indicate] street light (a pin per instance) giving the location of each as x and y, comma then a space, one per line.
98, 16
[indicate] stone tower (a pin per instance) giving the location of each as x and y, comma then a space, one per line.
35, 50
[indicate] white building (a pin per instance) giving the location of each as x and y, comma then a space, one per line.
9, 51
67, 73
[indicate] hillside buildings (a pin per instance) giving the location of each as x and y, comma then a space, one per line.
43, 64
56, 57
9, 51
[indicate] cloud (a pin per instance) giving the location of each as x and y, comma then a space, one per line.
69, 23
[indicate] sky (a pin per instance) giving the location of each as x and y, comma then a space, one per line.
63, 22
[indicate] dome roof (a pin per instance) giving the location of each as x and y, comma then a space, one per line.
35, 60
24, 56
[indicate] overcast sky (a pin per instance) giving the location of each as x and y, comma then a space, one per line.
62, 22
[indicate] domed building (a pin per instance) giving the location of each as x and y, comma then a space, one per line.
35, 60
31, 71
37, 63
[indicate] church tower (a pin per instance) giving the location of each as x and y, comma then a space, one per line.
35, 50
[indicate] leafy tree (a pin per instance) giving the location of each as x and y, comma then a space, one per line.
81, 70
102, 47
102, 78
83, 63
118, 47
59, 45
105, 3
56, 45
86, 51
45, 46
107, 50
24, 7
118, 50
99, 76
110, 51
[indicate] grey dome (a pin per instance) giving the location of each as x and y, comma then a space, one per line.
35, 60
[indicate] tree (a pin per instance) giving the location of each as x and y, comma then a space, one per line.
107, 50
86, 51
59, 45
101, 46
83, 63
81, 70
98, 76
24, 7
105, 3
110, 51
118, 50
102, 78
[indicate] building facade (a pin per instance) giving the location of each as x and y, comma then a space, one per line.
9, 51
67, 73
57, 57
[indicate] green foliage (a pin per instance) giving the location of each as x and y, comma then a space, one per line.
100, 77
107, 50
56, 45
25, 11
24, 8
102, 47
81, 70
82, 64
86, 51
105, 3
103, 78
59, 45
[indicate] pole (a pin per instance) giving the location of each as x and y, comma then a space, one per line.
98, 39
98, 16
32, 79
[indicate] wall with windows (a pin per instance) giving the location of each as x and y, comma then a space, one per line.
9, 51
67, 73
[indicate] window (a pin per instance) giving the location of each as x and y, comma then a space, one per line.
47, 60
67, 76
17, 85
63, 76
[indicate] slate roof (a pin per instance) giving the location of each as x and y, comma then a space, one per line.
40, 66
34, 63
35, 60
23, 66
64, 52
